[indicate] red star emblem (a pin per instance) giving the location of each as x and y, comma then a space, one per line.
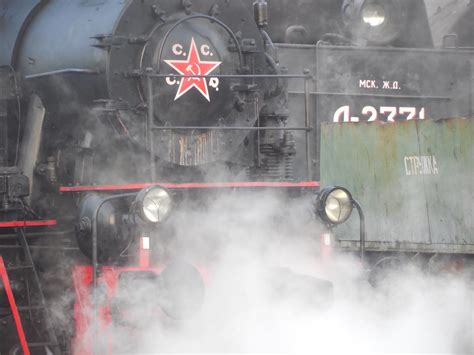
193, 66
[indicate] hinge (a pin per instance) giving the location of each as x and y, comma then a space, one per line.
106, 41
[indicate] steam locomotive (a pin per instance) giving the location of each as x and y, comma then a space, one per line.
113, 114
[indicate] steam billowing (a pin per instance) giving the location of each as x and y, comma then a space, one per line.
254, 241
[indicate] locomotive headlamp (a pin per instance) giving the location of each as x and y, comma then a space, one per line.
378, 22
334, 205
373, 14
154, 204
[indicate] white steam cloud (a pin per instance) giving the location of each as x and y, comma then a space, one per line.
255, 246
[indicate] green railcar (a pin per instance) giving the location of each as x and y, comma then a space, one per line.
415, 181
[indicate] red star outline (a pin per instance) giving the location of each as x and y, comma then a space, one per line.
185, 67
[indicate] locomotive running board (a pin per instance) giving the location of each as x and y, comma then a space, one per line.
23, 224
182, 186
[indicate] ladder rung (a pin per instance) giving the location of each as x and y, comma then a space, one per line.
51, 335
16, 268
4, 310
33, 308
36, 345
10, 247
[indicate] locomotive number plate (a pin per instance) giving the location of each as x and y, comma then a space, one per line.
346, 114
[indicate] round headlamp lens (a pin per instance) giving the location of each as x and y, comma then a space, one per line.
373, 14
155, 204
338, 206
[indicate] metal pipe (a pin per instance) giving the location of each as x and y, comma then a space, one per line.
259, 136
233, 76
194, 128
295, 45
39, 247
362, 229
38, 235
32, 139
151, 118
95, 263
322, 93
62, 72
307, 126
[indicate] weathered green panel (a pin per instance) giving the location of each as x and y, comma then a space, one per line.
450, 198
415, 180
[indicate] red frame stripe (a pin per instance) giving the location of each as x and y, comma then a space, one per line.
212, 185
15, 224
11, 300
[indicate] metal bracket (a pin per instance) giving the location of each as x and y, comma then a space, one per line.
247, 45
158, 12
214, 11
111, 106
450, 41
9, 89
244, 87
107, 40
188, 6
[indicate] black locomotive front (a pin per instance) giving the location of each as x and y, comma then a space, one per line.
129, 108
117, 113
122, 85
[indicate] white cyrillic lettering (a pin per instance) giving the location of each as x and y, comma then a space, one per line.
369, 110
408, 171
205, 50
177, 49
342, 112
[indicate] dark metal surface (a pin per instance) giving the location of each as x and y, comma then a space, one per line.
313, 19
9, 89
3, 137
419, 73
14, 17
65, 30
451, 17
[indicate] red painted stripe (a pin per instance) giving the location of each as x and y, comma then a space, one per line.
213, 185
14, 224
16, 315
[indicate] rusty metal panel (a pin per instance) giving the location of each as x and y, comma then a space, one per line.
415, 181
450, 198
